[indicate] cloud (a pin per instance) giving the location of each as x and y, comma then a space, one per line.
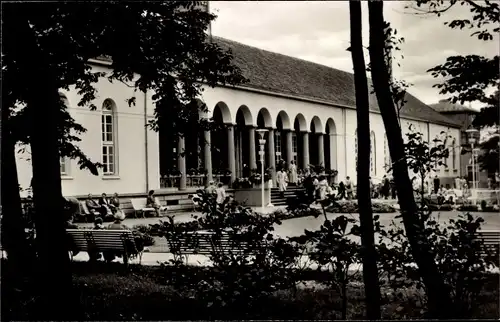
318, 31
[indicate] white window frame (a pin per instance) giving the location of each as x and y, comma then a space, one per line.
356, 149
387, 154
277, 144
454, 154
63, 166
108, 138
373, 154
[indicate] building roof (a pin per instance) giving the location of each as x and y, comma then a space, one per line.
287, 75
445, 106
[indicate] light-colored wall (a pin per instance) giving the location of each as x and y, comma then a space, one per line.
234, 98
130, 144
131, 176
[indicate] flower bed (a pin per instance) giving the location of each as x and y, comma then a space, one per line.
352, 207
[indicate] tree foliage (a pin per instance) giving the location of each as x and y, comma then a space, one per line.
157, 47
467, 78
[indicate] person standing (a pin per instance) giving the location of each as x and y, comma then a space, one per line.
322, 188
293, 173
458, 183
211, 189
221, 194
341, 191
393, 187
281, 179
385, 186
437, 184
348, 187
246, 171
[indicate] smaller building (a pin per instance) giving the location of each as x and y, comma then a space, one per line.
464, 116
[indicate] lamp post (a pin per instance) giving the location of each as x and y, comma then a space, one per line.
472, 140
262, 143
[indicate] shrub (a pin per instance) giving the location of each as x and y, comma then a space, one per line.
330, 248
257, 263
146, 234
456, 252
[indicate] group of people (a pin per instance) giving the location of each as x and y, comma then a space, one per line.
112, 205
284, 177
104, 206
386, 189
217, 191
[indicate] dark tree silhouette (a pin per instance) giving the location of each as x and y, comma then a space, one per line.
439, 301
368, 251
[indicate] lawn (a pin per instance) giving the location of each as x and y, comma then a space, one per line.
112, 292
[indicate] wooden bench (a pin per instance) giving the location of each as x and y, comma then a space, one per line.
119, 241
139, 206
202, 243
491, 240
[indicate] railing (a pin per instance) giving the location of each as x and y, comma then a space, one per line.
168, 181
192, 181
225, 179
196, 181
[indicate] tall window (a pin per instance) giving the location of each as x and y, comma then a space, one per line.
387, 154
63, 162
454, 154
445, 159
356, 148
435, 160
63, 167
373, 155
294, 146
277, 144
108, 138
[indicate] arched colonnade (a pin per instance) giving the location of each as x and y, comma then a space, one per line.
235, 146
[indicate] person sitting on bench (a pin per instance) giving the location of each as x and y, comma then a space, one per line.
151, 202
109, 256
105, 206
115, 203
92, 205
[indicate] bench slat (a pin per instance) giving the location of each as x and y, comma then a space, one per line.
102, 240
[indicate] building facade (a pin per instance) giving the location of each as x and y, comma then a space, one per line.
464, 116
308, 110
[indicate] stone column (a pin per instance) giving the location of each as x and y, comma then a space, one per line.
272, 155
230, 150
289, 147
305, 146
237, 150
181, 163
208, 155
333, 152
321, 150
253, 160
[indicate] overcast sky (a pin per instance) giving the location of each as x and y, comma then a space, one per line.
318, 31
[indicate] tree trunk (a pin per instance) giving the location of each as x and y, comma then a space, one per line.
19, 268
54, 278
439, 301
369, 253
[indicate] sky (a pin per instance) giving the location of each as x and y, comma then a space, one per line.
318, 31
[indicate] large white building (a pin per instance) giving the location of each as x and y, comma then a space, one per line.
308, 108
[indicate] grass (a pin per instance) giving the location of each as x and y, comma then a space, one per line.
113, 292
